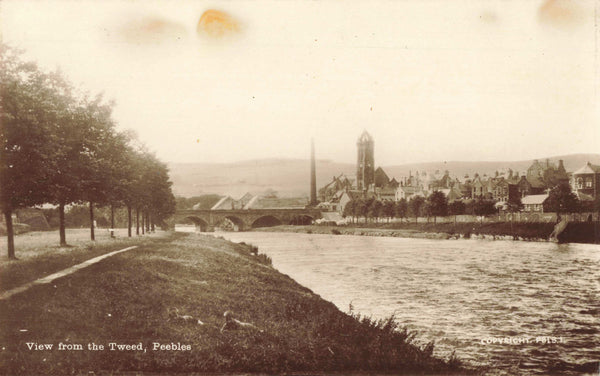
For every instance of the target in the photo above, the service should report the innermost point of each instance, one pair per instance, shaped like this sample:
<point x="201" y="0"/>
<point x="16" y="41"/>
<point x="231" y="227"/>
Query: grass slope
<point x="126" y="299"/>
<point x="37" y="258"/>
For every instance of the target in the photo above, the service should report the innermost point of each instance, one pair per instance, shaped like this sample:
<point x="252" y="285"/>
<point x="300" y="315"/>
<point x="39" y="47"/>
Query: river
<point x="543" y="298"/>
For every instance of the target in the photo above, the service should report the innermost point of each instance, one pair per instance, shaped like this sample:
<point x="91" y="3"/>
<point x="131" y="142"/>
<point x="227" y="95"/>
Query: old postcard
<point x="300" y="187"/>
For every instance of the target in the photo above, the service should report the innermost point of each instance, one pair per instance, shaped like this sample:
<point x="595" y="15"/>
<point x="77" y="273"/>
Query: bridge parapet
<point x="246" y="218"/>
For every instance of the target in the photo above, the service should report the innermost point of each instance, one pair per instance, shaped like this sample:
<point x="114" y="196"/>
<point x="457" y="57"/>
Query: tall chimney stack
<point x="313" y="175"/>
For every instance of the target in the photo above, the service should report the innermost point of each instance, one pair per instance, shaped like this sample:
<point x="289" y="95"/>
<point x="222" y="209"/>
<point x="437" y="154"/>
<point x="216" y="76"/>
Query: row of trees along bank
<point x="60" y="146"/>
<point x="435" y="205"/>
<point x="560" y="200"/>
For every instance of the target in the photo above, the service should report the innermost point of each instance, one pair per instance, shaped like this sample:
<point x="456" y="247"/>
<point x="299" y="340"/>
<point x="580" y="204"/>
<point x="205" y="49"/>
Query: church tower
<point x="365" y="164"/>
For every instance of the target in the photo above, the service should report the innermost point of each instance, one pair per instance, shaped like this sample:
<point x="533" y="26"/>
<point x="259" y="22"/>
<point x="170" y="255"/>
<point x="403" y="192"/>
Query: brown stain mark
<point x="217" y="24"/>
<point x="560" y="13"/>
<point x="151" y="29"/>
<point x="488" y="17"/>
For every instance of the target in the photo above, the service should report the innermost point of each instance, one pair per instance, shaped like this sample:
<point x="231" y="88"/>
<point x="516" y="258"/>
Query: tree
<point x="55" y="148"/>
<point x="514" y="205"/>
<point x="350" y="210"/>
<point x="426" y="210"/>
<point x="415" y="205"/>
<point x="129" y="180"/>
<point x="438" y="204"/>
<point x="483" y="207"/>
<point x="121" y="176"/>
<point x="28" y="107"/>
<point x="389" y="209"/>
<point x="363" y="205"/>
<point x="150" y="191"/>
<point x="70" y="158"/>
<point x="375" y="209"/>
<point x="561" y="200"/>
<point x="161" y="203"/>
<point x="98" y="152"/>
<point x="401" y="208"/>
<point x="138" y="195"/>
<point x="456" y="208"/>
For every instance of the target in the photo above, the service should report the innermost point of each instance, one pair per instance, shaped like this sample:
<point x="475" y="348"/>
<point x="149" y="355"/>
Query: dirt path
<point x="47" y="279"/>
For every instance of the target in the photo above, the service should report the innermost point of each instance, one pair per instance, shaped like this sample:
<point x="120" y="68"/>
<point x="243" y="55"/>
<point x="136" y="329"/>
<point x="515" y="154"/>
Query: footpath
<point x="47" y="279"/>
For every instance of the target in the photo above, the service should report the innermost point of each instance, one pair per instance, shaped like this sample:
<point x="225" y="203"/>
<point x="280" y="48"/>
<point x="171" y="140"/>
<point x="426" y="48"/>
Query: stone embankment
<point x="403" y="233"/>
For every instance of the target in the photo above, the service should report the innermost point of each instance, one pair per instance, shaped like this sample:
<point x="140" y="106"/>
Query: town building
<point x="266" y="200"/>
<point x="479" y="187"/>
<point x="337" y="184"/>
<point x="502" y="186"/>
<point x="585" y="182"/>
<point x="368" y="182"/>
<point x="534" y="203"/>
<point x="365" y="164"/>
<point x="544" y="176"/>
<point x="452" y="194"/>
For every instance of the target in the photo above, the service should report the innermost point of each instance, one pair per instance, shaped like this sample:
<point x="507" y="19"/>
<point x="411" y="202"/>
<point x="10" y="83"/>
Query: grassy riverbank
<point x="127" y="298"/>
<point x="40" y="255"/>
<point x="577" y="232"/>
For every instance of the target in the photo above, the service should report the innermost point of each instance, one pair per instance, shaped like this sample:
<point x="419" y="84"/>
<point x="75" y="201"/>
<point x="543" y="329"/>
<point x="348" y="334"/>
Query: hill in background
<point x="291" y="177"/>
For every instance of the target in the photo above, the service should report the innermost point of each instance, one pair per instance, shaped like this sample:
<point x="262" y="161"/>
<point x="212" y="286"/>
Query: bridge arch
<point x="266" y="221"/>
<point x="201" y="224"/>
<point x="231" y="222"/>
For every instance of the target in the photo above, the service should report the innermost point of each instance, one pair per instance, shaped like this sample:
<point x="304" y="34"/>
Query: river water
<point x="464" y="294"/>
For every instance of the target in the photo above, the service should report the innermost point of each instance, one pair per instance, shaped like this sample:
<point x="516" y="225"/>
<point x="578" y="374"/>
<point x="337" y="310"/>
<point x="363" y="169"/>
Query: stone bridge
<point x="207" y="220"/>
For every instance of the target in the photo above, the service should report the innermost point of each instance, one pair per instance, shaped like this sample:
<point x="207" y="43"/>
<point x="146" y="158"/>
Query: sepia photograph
<point x="300" y="187"/>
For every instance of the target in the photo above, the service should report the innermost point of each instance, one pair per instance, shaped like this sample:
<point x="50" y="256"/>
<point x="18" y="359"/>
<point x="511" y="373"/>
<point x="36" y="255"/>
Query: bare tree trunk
<point x="147" y="222"/>
<point x="137" y="221"/>
<point x="10" y="234"/>
<point x="112" y="221"/>
<point x="143" y="223"/>
<point x="61" y="227"/>
<point x="92" y="235"/>
<point x="112" y="216"/>
<point x="129" y="221"/>
<point x="152" y="226"/>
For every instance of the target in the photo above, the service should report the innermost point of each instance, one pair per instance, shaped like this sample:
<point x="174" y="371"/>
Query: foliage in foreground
<point x="60" y="146"/>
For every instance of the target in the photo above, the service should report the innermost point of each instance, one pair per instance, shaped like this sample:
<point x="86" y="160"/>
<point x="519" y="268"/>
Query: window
<point x="588" y="182"/>
<point x="579" y="183"/>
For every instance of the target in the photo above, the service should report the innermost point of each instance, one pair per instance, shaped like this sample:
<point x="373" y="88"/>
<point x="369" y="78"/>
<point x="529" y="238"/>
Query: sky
<point x="207" y="81"/>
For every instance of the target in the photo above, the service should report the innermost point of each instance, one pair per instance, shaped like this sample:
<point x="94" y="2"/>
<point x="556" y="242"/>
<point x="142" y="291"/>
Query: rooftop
<point x="534" y="199"/>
